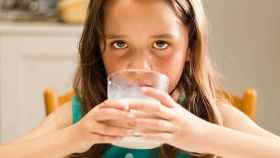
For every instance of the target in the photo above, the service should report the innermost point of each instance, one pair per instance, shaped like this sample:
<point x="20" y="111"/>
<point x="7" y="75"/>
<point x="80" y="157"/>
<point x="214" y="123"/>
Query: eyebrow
<point x="114" y="36"/>
<point x="164" y="35"/>
<point x="118" y="36"/>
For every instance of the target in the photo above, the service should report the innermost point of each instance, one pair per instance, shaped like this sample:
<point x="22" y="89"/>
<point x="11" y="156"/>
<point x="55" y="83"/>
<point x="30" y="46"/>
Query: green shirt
<point x="120" y="152"/>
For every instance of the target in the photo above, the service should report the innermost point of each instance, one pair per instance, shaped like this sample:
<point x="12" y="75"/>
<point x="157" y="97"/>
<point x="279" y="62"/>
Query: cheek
<point x="173" y="68"/>
<point x="111" y="63"/>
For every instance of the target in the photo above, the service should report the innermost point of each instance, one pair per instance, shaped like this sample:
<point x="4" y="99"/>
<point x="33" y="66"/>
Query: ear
<point x="188" y="56"/>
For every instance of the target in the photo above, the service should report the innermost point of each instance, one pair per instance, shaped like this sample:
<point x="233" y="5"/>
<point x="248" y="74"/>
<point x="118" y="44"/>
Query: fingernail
<point x="137" y="134"/>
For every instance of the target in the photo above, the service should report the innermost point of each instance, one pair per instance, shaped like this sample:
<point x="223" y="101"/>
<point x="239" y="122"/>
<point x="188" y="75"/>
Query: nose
<point x="140" y="60"/>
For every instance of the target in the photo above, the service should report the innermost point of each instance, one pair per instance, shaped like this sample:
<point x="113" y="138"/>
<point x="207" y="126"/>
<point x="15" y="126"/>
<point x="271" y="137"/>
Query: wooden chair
<point x="53" y="100"/>
<point x="246" y="103"/>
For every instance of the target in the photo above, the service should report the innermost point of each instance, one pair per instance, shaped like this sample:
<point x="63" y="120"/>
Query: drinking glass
<point x="125" y="86"/>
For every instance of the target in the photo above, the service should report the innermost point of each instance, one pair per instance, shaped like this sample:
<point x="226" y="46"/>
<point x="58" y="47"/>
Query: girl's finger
<point x="163" y="97"/>
<point x="120" y="123"/>
<point x="155" y="125"/>
<point x="115" y="104"/>
<point x="160" y="137"/>
<point x="156" y="109"/>
<point x="104" y="129"/>
<point x="106" y="114"/>
<point x="98" y="139"/>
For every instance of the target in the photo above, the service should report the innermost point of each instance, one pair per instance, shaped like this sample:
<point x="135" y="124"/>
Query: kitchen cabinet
<point x="32" y="57"/>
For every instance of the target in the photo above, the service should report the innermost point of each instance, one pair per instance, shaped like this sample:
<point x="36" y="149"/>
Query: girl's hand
<point x="108" y="122"/>
<point x="172" y="124"/>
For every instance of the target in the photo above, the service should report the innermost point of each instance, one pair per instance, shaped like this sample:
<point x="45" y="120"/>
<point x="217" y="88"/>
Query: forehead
<point x="141" y="15"/>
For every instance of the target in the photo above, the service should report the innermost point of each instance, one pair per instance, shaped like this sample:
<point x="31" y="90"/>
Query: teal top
<point x="120" y="152"/>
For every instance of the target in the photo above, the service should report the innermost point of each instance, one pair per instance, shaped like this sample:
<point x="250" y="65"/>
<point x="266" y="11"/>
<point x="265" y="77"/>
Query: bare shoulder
<point x="235" y="119"/>
<point x="58" y="119"/>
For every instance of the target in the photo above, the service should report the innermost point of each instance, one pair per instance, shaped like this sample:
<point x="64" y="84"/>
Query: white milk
<point x="136" y="142"/>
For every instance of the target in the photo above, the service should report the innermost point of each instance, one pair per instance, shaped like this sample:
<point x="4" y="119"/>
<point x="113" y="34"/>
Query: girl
<point x="167" y="36"/>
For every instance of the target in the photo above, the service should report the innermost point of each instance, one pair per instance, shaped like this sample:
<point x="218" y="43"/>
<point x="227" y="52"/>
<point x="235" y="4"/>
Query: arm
<point x="178" y="127"/>
<point x="50" y="145"/>
<point x="58" y="119"/>
<point x="243" y="137"/>
<point x="93" y="128"/>
<point x="235" y="119"/>
<point x="231" y="143"/>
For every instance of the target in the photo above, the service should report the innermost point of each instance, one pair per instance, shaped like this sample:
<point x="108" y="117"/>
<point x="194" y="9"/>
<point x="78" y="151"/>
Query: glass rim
<point x="161" y="75"/>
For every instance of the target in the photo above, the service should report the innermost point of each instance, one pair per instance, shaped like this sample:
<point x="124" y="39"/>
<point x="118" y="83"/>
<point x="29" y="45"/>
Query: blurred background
<point x="39" y="41"/>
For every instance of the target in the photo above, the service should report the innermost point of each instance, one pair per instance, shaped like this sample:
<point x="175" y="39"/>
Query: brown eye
<point x="160" y="45"/>
<point x="119" y="44"/>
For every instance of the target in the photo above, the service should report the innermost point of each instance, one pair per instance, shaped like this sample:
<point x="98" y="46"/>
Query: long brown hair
<point x="197" y="82"/>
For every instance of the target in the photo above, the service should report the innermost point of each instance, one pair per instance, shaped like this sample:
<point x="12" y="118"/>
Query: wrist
<point x="206" y="137"/>
<point x="209" y="135"/>
<point x="218" y="140"/>
<point x="65" y="141"/>
<point x="70" y="138"/>
<point x="200" y="140"/>
<point x="79" y="140"/>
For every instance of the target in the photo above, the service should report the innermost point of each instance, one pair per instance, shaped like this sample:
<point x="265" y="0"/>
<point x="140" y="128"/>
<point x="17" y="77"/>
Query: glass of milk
<point x="125" y="86"/>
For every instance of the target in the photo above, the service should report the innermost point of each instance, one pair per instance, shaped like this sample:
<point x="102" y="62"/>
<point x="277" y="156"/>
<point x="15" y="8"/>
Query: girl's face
<point x="144" y="34"/>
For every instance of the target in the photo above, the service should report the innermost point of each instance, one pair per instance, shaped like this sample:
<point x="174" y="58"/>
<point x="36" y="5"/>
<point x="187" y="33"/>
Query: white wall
<point x="245" y="45"/>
